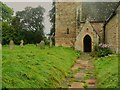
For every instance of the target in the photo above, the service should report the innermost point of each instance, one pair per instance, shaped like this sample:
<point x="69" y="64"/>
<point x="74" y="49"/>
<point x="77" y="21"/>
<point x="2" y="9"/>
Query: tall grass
<point x="107" y="72"/>
<point x="32" y="67"/>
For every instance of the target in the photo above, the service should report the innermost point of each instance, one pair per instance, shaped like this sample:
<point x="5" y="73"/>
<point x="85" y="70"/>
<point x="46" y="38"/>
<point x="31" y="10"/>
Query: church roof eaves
<point x="112" y="14"/>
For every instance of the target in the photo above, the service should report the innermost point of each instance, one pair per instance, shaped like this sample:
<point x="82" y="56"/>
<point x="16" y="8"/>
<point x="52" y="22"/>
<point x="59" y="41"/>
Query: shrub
<point x="78" y="53"/>
<point x="102" y="50"/>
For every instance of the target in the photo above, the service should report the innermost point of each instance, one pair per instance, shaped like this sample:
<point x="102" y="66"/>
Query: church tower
<point x="65" y="27"/>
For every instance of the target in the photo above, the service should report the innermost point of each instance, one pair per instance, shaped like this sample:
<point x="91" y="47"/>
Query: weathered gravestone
<point x="41" y="44"/>
<point x="21" y="43"/>
<point x="11" y="44"/>
<point x="50" y="43"/>
<point x="37" y="44"/>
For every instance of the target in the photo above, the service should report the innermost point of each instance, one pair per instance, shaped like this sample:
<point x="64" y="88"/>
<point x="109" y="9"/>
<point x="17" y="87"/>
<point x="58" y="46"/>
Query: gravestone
<point x="41" y="44"/>
<point x="50" y="43"/>
<point x="21" y="44"/>
<point x="11" y="44"/>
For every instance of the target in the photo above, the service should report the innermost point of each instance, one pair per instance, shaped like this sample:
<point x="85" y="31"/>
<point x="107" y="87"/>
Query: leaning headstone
<point x="11" y="44"/>
<point x="50" y="43"/>
<point x="21" y="43"/>
<point x="41" y="44"/>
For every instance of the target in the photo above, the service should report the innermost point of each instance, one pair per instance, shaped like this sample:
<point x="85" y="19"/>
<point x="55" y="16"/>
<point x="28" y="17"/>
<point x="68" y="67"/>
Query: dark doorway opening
<point x="87" y="43"/>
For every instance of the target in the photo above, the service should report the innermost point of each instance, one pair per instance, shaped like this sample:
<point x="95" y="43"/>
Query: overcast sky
<point x="18" y="6"/>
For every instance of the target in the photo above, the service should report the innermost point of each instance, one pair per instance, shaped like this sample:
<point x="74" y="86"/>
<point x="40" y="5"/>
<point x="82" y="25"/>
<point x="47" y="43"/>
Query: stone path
<point x="83" y="73"/>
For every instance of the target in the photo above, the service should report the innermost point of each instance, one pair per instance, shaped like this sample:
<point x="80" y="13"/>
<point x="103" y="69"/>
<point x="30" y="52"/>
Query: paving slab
<point x="81" y="69"/>
<point x="77" y="85"/>
<point x="90" y="81"/>
<point x="79" y="75"/>
<point x="76" y="66"/>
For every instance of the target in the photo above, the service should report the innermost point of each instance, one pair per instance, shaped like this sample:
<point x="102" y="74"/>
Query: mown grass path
<point x="83" y="73"/>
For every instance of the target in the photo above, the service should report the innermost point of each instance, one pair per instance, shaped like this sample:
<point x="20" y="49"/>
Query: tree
<point x="5" y="20"/>
<point x="7" y="33"/>
<point x="18" y="34"/>
<point x="6" y="14"/>
<point x="31" y="23"/>
<point x="52" y="20"/>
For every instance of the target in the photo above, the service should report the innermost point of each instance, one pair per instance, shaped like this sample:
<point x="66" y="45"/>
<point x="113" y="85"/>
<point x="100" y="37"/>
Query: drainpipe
<point x="103" y="40"/>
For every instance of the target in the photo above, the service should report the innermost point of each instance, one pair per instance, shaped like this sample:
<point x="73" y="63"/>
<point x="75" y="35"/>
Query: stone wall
<point x="65" y="23"/>
<point x="68" y="34"/>
<point x="112" y="33"/>
<point x="98" y="27"/>
<point x="87" y="29"/>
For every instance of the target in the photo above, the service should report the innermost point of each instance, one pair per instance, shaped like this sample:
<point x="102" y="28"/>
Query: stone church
<point x="75" y="29"/>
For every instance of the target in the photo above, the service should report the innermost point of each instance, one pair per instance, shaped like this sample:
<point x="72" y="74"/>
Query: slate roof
<point x="97" y="11"/>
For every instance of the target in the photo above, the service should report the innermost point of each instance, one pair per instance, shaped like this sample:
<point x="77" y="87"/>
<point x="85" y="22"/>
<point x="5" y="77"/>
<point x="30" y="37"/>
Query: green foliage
<point x="17" y="30"/>
<point x="107" y="72"/>
<point x="32" y="67"/>
<point x="101" y="50"/>
<point x="10" y="33"/>
<point x="78" y="53"/>
<point x="52" y="18"/>
<point x="27" y="25"/>
<point x="5" y="21"/>
<point x="6" y="14"/>
<point x="7" y="32"/>
<point x="30" y="23"/>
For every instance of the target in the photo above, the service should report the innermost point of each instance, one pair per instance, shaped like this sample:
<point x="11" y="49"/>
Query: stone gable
<point x="87" y="29"/>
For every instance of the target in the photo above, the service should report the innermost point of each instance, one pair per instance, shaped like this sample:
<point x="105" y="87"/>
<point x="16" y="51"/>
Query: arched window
<point x="68" y="31"/>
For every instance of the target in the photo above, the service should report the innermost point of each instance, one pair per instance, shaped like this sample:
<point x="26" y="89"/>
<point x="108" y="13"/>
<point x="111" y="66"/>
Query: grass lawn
<point x="32" y="67"/>
<point x="107" y="72"/>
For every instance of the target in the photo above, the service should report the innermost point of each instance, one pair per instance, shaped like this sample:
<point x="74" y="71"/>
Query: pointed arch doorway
<point x="87" y="43"/>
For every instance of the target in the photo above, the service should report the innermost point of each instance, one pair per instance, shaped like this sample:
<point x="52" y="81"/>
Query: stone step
<point x="77" y="85"/>
<point x="79" y="75"/>
<point x="91" y="81"/>
<point x="76" y="66"/>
